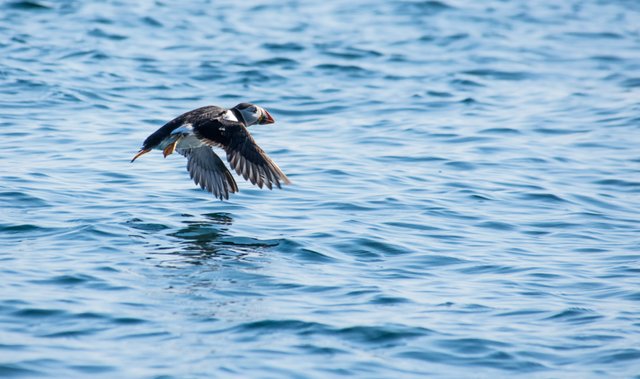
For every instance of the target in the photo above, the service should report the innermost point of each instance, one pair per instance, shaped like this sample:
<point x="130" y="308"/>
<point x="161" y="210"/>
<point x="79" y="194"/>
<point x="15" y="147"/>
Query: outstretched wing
<point x="209" y="172"/>
<point x="243" y="153"/>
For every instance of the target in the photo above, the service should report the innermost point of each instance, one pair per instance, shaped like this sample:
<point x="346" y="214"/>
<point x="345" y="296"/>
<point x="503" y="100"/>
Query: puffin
<point x="194" y="133"/>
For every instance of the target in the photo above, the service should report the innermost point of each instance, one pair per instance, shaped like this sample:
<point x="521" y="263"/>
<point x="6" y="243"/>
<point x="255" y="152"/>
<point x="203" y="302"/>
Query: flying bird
<point x="192" y="135"/>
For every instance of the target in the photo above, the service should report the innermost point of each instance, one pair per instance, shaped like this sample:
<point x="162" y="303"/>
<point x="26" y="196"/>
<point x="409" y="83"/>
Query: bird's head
<point x="252" y="114"/>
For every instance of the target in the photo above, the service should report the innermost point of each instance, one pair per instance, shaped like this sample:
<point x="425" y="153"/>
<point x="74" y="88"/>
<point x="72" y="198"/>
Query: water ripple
<point x="465" y="190"/>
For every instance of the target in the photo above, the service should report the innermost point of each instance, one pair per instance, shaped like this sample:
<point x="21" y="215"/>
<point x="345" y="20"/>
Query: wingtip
<point x="284" y="179"/>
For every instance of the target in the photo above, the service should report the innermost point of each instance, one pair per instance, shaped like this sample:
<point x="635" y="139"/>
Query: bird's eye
<point x="254" y="110"/>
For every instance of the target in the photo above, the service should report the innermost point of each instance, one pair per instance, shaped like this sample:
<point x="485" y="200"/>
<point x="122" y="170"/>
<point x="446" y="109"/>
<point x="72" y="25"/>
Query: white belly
<point x="186" y="138"/>
<point x="189" y="142"/>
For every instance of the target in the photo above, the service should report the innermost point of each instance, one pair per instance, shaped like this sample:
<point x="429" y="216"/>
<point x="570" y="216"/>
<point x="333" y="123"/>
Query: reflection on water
<point x="198" y="238"/>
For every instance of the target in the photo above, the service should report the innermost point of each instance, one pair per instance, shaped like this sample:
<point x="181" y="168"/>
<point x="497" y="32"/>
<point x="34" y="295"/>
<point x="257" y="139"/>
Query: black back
<point x="194" y="117"/>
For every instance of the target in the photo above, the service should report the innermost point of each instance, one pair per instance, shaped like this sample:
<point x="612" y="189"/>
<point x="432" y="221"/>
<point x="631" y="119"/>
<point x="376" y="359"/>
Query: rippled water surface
<point x="465" y="198"/>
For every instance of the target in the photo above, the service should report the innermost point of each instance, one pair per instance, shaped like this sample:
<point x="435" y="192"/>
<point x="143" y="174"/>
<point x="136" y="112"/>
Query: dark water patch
<point x="26" y="229"/>
<point x="299" y="250"/>
<point x="496" y="360"/>
<point x="576" y="316"/>
<point x="590" y="145"/>
<point x="590" y="250"/>
<point x="281" y="326"/>
<point x="558" y="131"/>
<point x="499" y="75"/>
<point x="198" y="231"/>
<point x="439" y="104"/>
<point x="633" y="296"/>
<point x="325" y="351"/>
<point x="554" y="225"/>
<point x="73" y="333"/>
<point x="102" y="20"/>
<point x="443" y="41"/>
<point x="464" y="83"/>
<point x="616" y="121"/>
<point x="389" y="300"/>
<point x="16" y="370"/>
<point x="480" y="197"/>
<point x="151" y="21"/>
<point x="594" y="35"/>
<point x="545" y="275"/>
<point x="39" y="313"/>
<point x="424" y="7"/>
<point x="4" y="346"/>
<point x="21" y="199"/>
<point x="465" y="166"/>
<point x="139" y="224"/>
<point x="410" y="158"/>
<point x="490" y="269"/>
<point x="497" y="225"/>
<point x="631" y="83"/>
<point x="249" y="242"/>
<point x="218" y="218"/>
<point x="440" y="94"/>
<point x="93" y="369"/>
<point x="470" y="139"/>
<point x="149" y="335"/>
<point x="599" y="203"/>
<point x="376" y="247"/>
<point x="499" y="131"/>
<point x="618" y="356"/>
<point x="278" y="61"/>
<point x="91" y="316"/>
<point x="80" y="54"/>
<point x="521" y="312"/>
<point x="469" y="101"/>
<point x="471" y="346"/>
<point x="372" y="336"/>
<point x="67" y="280"/>
<point x="353" y="53"/>
<point x="351" y="70"/>
<point x="607" y="58"/>
<point x="381" y="336"/>
<point x="128" y="320"/>
<point x="288" y="46"/>
<point x="543" y="197"/>
<point x="87" y="232"/>
<point x="15" y="133"/>
<point x="596" y="337"/>
<point x="415" y="226"/>
<point x="97" y="32"/>
<point x="434" y="260"/>
<point x="30" y="5"/>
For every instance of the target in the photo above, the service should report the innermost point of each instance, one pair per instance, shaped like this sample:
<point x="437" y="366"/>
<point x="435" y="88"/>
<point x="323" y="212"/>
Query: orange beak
<point x="141" y="152"/>
<point x="268" y="119"/>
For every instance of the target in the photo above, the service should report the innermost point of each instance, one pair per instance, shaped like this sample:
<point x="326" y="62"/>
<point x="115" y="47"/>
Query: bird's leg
<point x="171" y="148"/>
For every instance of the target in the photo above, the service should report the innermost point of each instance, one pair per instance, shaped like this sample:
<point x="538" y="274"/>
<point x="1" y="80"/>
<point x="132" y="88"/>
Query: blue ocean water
<point x="465" y="198"/>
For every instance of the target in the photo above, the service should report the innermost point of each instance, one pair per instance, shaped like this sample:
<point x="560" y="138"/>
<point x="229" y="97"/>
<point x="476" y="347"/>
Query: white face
<point x="251" y="115"/>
